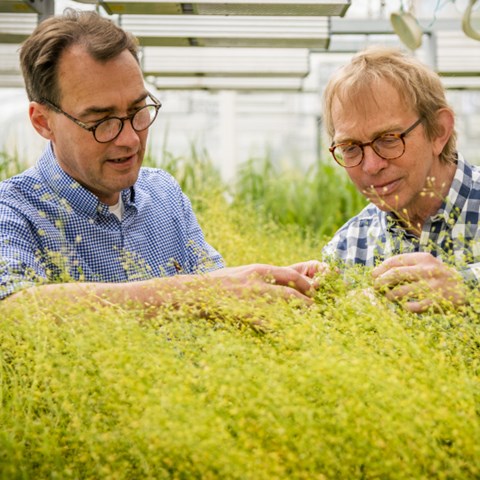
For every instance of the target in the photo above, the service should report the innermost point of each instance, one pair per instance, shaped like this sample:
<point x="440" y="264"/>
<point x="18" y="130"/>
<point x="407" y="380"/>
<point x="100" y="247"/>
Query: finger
<point x="311" y="268"/>
<point x="403" y="292"/>
<point x="399" y="275"/>
<point x="288" y="277"/>
<point x="401" y="260"/>
<point x="292" y="293"/>
<point x="418" y="306"/>
<point x="408" y="297"/>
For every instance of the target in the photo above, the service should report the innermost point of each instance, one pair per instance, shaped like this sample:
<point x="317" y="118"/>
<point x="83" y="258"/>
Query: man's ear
<point x="445" y="122"/>
<point x="41" y="119"/>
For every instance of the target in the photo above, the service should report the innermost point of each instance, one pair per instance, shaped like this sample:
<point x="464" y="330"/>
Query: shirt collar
<point x="452" y="205"/>
<point x="69" y="190"/>
<point x="458" y="193"/>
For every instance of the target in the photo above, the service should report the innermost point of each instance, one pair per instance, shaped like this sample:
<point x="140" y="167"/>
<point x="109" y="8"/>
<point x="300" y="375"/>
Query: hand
<point x="419" y="279"/>
<point x="311" y="268"/>
<point x="295" y="281"/>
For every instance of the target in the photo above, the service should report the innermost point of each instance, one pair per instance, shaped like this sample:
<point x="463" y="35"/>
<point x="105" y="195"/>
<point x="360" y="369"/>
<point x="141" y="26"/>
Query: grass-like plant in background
<point x="314" y="200"/>
<point x="351" y="388"/>
<point x="10" y="164"/>
<point x="195" y="172"/>
<point x="319" y="199"/>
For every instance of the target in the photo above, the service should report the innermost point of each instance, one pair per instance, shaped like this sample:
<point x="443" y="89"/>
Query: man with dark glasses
<point x="393" y="132"/>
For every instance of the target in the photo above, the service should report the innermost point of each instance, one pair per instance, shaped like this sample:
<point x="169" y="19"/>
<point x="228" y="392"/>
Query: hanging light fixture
<point x="467" y="22"/>
<point x="406" y="26"/>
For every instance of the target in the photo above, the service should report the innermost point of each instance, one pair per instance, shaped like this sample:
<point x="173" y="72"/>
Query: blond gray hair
<point x="417" y="84"/>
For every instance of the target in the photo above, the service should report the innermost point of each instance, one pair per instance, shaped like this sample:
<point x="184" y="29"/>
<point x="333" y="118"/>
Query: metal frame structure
<point x="225" y="7"/>
<point x="215" y="31"/>
<point x="43" y="8"/>
<point x="225" y="62"/>
<point x="257" y="84"/>
<point x="16" y="27"/>
<point x="269" y="28"/>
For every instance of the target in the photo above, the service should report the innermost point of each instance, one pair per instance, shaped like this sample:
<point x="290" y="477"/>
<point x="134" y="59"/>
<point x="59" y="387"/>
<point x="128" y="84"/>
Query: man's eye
<point x="349" y="149"/>
<point x="387" y="140"/>
<point x="96" y="121"/>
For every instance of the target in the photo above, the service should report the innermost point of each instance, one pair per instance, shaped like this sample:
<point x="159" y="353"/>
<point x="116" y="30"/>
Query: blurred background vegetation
<point x="316" y="200"/>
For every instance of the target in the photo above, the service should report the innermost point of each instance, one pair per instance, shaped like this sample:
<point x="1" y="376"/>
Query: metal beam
<point x="250" y="84"/>
<point x="225" y="7"/>
<point x="215" y="31"/>
<point x="225" y="62"/>
<point x="367" y="26"/>
<point x="16" y="27"/>
<point x="44" y="8"/>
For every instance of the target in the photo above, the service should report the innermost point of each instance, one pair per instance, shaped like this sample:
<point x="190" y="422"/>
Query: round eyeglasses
<point x="109" y="128"/>
<point x="389" y="146"/>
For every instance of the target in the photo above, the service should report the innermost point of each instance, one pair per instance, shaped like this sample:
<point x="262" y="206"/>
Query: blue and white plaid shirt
<point x="53" y="229"/>
<point x="452" y="234"/>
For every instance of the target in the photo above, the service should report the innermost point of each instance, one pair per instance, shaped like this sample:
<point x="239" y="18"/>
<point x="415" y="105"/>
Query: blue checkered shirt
<point x="53" y="229"/>
<point x="453" y="233"/>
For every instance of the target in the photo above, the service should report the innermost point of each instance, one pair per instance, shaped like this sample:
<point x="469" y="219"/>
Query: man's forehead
<point x="100" y="83"/>
<point x="368" y="99"/>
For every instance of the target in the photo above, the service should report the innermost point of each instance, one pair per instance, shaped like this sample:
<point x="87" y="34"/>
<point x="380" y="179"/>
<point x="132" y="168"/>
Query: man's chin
<point x="385" y="204"/>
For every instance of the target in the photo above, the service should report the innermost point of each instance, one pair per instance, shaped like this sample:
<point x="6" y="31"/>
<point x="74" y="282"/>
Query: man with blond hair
<point x="393" y="131"/>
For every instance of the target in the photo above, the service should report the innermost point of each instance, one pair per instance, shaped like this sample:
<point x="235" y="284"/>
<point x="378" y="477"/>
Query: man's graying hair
<point x="41" y="52"/>
<point x="418" y="86"/>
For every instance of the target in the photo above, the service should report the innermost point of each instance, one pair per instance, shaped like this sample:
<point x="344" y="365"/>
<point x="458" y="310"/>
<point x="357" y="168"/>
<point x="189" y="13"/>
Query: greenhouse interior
<point x="287" y="364"/>
<point x="241" y="80"/>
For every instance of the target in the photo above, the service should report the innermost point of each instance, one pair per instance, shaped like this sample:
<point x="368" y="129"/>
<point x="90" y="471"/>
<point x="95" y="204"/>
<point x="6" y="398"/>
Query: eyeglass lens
<point x="111" y="127"/>
<point x="387" y="146"/>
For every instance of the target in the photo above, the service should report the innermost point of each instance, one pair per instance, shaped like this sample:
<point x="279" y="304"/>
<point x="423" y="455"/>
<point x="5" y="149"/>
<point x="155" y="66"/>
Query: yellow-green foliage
<point x="346" y="389"/>
<point x="243" y="236"/>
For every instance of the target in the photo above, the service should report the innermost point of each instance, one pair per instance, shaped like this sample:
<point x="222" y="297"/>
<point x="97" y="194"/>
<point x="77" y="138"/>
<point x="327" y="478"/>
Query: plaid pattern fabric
<point x="452" y="234"/>
<point x="53" y="229"/>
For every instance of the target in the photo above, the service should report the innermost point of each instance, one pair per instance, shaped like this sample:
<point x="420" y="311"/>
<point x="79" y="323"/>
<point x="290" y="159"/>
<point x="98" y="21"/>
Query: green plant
<point x="10" y="165"/>
<point x="319" y="200"/>
<point x="195" y="173"/>
<point x="255" y="388"/>
<point x="343" y="390"/>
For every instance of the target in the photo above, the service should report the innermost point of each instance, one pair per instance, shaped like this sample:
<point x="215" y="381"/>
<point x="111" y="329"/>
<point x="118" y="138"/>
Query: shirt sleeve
<point x="471" y="274"/>
<point x="202" y="257"/>
<point x="20" y="266"/>
<point x="329" y="250"/>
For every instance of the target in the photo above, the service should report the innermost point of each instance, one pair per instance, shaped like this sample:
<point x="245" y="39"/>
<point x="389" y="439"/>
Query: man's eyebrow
<point x="378" y="133"/>
<point x="110" y="109"/>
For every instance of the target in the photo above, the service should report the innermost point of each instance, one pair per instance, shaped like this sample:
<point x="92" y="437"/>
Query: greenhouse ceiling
<point x="269" y="45"/>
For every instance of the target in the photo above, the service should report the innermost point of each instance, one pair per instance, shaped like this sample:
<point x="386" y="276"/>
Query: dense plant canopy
<point x="353" y="387"/>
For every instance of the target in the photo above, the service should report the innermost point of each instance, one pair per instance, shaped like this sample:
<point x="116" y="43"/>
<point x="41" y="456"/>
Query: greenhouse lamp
<point x="467" y="22"/>
<point x="407" y="28"/>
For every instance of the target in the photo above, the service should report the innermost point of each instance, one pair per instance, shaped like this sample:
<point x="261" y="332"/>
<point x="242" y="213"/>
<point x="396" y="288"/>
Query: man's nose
<point x="128" y="135"/>
<point x="372" y="163"/>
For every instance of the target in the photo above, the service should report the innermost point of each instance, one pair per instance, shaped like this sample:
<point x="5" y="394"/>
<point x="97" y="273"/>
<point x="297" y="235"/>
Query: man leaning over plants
<point x="393" y="131"/>
<point x="88" y="219"/>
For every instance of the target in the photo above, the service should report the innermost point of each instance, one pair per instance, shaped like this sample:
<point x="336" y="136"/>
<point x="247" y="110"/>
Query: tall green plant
<point x="195" y="172"/>
<point x="319" y="199"/>
<point x="10" y="165"/>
